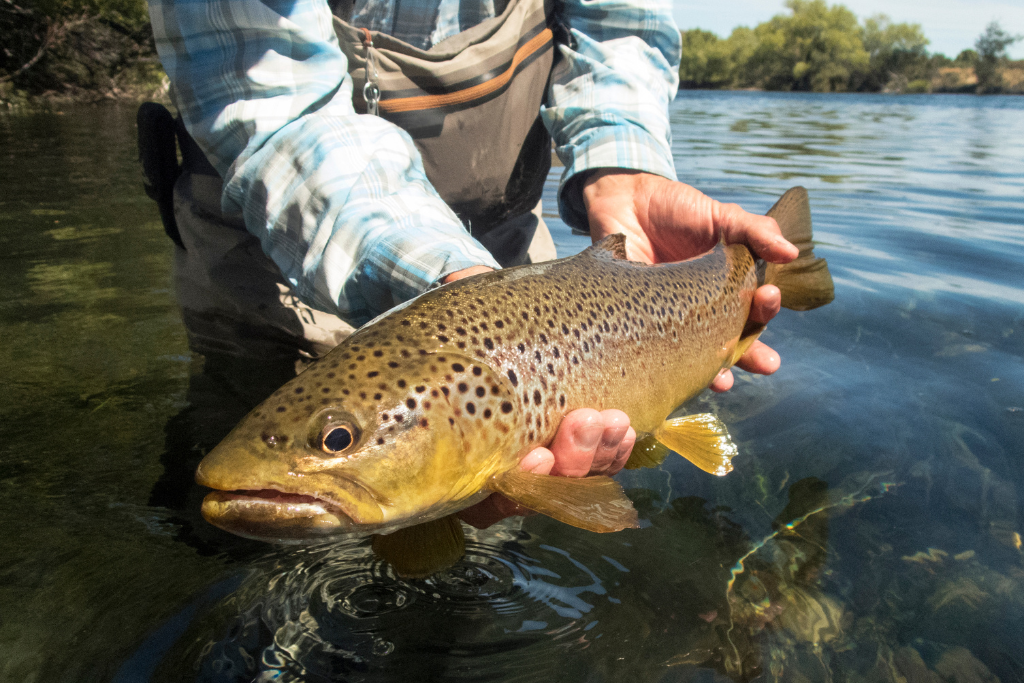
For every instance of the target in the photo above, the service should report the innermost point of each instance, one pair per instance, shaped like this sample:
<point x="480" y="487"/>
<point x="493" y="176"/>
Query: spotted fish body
<point x="442" y="398"/>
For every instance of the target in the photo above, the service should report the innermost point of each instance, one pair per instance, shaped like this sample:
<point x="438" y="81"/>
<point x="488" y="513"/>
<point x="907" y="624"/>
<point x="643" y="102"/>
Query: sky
<point x="950" y="25"/>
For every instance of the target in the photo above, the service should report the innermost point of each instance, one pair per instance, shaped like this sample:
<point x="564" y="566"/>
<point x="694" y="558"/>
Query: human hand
<point x="587" y="442"/>
<point x="666" y="221"/>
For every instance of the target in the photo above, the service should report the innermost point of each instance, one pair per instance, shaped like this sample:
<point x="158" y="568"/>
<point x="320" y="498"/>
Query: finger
<point x="576" y="442"/>
<point x="766" y="304"/>
<point x="760" y="233"/>
<point x="723" y="382"/>
<point x="625" y="449"/>
<point x="490" y="510"/>
<point x="616" y="424"/>
<point x="760" y="358"/>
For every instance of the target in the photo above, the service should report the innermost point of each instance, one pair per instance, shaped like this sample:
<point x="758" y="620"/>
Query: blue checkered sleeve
<point x="609" y="93"/>
<point x="340" y="201"/>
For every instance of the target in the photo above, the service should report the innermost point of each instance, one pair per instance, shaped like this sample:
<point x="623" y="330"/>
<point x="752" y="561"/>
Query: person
<point x="336" y="166"/>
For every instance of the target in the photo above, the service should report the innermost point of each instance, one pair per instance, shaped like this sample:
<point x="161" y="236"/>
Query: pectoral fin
<point x="591" y="503"/>
<point x="702" y="439"/>
<point x="750" y="334"/>
<point x="424" y="549"/>
<point x="647" y="452"/>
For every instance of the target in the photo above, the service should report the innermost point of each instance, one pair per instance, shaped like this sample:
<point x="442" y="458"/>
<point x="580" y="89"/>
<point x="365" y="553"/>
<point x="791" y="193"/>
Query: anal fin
<point x="702" y="439"/>
<point x="423" y="549"/>
<point x="592" y="503"/>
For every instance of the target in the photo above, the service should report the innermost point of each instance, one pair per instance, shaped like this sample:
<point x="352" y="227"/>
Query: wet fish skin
<point x="446" y="394"/>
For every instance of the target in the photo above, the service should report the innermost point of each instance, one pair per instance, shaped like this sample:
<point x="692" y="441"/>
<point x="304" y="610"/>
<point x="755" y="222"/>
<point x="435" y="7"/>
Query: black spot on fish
<point x="487" y="414"/>
<point x="470" y="408"/>
<point x="458" y="367"/>
<point x="444" y="390"/>
<point x="477" y="371"/>
<point x="506" y="407"/>
<point x="522" y="348"/>
<point x="378" y="353"/>
<point x="411" y="403"/>
<point x="488" y="343"/>
<point x="442" y="338"/>
<point x="481" y="392"/>
<point x="372" y="373"/>
<point x="299" y="390"/>
<point x="420" y="389"/>
<point x="281" y="409"/>
<point x="512" y="378"/>
<point x="401" y="384"/>
<point x="463" y="387"/>
<point x="536" y="396"/>
<point x="424" y="423"/>
<point x="377" y="397"/>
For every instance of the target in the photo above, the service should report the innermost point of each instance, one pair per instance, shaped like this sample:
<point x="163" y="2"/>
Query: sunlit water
<point x="870" y="532"/>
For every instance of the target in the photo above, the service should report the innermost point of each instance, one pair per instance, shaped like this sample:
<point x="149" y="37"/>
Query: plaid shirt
<point x="340" y="201"/>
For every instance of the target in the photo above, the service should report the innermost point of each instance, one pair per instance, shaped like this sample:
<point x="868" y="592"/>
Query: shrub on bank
<point x="823" y="48"/>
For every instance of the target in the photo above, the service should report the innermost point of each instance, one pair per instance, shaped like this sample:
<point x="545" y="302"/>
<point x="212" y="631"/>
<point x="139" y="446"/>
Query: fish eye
<point x="335" y="438"/>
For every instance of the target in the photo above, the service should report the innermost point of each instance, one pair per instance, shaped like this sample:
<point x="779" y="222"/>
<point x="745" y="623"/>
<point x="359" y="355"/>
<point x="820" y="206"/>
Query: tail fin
<point x="805" y="283"/>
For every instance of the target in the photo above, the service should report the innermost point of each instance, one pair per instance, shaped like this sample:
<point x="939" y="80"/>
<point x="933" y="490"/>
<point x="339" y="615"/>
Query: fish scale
<point x="430" y="407"/>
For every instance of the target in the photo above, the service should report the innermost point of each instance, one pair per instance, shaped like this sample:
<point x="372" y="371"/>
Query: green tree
<point x="898" y="54"/>
<point x="817" y="48"/>
<point x="706" y="61"/>
<point x="711" y="62"/>
<point x="991" y="46"/>
<point x="966" y="59"/>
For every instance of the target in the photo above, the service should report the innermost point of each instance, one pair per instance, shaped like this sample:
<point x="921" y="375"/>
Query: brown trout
<point x="429" y="408"/>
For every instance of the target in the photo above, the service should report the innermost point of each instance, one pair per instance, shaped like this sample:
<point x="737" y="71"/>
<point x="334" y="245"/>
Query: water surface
<point x="870" y="531"/>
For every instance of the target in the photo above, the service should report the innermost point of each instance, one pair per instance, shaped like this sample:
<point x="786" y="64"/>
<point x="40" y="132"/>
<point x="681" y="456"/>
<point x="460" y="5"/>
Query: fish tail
<point x="805" y="283"/>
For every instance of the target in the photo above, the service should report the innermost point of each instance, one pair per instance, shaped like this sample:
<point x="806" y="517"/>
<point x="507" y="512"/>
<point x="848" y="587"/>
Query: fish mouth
<point x="276" y="516"/>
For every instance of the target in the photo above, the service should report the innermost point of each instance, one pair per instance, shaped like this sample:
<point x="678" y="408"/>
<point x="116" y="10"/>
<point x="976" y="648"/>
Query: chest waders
<point x="471" y="104"/>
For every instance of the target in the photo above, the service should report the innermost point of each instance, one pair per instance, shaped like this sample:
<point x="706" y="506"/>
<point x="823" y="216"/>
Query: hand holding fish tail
<point x="587" y="442"/>
<point x="666" y="221"/>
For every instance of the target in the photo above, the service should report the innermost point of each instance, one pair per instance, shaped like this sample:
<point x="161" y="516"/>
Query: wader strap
<point x="158" y="155"/>
<point x="160" y="136"/>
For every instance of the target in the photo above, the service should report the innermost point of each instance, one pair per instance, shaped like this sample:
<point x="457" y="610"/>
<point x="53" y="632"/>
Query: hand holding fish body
<point x="430" y="408"/>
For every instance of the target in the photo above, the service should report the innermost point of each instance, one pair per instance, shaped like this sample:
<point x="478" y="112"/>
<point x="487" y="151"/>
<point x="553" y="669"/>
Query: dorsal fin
<point x="611" y="247"/>
<point x="805" y="283"/>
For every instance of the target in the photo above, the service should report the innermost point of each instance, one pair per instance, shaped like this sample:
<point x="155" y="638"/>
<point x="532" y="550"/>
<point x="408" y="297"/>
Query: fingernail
<point x="587" y="436"/>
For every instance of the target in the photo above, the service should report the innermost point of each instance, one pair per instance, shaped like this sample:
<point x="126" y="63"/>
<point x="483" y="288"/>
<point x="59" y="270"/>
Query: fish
<point x="430" y="407"/>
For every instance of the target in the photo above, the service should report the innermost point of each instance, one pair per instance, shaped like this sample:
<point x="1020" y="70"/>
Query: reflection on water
<point x="870" y="532"/>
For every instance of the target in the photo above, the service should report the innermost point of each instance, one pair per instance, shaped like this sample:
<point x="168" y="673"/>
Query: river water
<point x="870" y="532"/>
